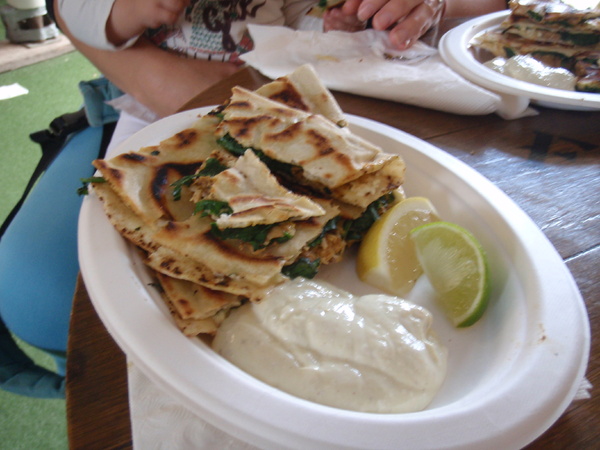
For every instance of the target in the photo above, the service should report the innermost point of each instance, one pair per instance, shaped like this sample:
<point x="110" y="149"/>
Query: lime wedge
<point x="456" y="266"/>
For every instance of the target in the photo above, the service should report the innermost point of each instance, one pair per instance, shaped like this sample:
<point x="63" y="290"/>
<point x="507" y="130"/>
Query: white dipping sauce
<point x="526" y="68"/>
<point x="374" y="353"/>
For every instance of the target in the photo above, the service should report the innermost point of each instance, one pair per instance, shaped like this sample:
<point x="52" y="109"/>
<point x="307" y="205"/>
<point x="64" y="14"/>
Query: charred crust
<point x="290" y="97"/>
<point x="137" y="157"/>
<point x="116" y="174"/>
<point x="186" y="137"/>
<point x="288" y="134"/>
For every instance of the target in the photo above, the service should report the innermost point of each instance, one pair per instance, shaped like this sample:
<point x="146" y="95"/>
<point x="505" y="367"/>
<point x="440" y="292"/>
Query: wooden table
<point x="548" y="164"/>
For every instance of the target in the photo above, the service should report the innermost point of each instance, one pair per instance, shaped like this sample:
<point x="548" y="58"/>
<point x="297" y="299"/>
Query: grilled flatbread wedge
<point x="303" y="90"/>
<point x="324" y="153"/>
<point x="142" y="178"/>
<point x="192" y="301"/>
<point x="256" y="197"/>
<point x="219" y="225"/>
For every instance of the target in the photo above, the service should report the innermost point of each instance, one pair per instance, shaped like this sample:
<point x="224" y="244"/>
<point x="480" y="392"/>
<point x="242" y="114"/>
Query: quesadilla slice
<point x="143" y="178"/>
<point x="166" y="260"/>
<point x="551" y="12"/>
<point x="255" y="197"/>
<point x="195" y="327"/>
<point x="325" y="153"/>
<point x="303" y="90"/>
<point x="193" y="301"/>
<point x="508" y="45"/>
<point x="587" y="69"/>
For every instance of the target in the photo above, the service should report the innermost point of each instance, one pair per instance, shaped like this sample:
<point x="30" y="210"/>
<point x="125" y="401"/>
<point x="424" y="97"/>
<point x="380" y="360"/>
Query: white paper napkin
<point x="158" y="421"/>
<point x="365" y="63"/>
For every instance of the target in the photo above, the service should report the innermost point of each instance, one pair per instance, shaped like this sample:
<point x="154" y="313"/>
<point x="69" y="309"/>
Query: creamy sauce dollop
<point x="526" y="68"/>
<point x="374" y="353"/>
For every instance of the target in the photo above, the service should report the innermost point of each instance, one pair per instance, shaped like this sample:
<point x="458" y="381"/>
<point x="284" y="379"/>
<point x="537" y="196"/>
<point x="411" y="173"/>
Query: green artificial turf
<point x="31" y="423"/>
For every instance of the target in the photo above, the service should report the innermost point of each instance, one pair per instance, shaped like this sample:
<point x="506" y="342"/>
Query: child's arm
<point x="337" y="19"/>
<point x="129" y="18"/>
<point x="110" y="24"/>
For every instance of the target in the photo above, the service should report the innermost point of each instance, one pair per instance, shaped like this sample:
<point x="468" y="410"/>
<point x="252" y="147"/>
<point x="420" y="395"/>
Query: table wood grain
<point x="548" y="164"/>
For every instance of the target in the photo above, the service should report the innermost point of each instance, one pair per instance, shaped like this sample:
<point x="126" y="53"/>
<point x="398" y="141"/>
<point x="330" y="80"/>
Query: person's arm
<point x="113" y="24"/>
<point x="160" y="80"/>
<point x="130" y="18"/>
<point x="86" y="20"/>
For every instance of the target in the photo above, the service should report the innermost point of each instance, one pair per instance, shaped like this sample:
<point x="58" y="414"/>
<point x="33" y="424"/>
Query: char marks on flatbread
<point x="193" y="301"/>
<point x="164" y="259"/>
<point x="303" y="90"/>
<point x="328" y="154"/>
<point x="256" y="197"/>
<point x="218" y="226"/>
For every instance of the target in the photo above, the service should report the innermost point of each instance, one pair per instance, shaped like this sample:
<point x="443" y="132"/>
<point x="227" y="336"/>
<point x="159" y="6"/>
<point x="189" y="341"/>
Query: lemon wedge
<point x="456" y="265"/>
<point x="386" y="257"/>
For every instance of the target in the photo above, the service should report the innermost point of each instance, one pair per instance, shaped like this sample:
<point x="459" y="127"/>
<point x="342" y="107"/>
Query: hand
<point x="337" y="19"/>
<point x="154" y="13"/>
<point x="407" y="20"/>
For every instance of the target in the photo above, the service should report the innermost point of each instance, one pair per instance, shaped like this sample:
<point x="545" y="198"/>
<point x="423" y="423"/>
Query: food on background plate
<point x="527" y="68"/>
<point x="554" y="33"/>
<point x="374" y="353"/>
<point x="227" y="206"/>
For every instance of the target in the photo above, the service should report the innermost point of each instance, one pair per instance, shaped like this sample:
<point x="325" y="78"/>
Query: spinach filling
<point x="229" y="143"/>
<point x="255" y="235"/>
<point x="581" y="39"/>
<point x="354" y="230"/>
<point x="83" y="190"/>
<point x="212" y="208"/>
<point x="302" y="267"/>
<point x="535" y="16"/>
<point x="212" y="167"/>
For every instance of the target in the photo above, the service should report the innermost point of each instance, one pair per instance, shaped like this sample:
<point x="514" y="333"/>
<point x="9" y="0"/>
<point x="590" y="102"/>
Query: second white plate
<point x="455" y="50"/>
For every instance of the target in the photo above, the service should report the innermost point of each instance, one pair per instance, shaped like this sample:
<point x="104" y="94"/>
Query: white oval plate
<point x="510" y="376"/>
<point x="455" y="50"/>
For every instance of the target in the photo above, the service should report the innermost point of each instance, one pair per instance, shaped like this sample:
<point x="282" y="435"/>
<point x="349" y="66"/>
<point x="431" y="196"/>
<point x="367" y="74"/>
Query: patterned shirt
<point x="208" y="29"/>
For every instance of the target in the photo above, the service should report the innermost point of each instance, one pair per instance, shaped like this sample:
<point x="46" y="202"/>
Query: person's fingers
<point x="176" y="6"/>
<point x="336" y="19"/>
<point x="415" y="24"/>
<point x="351" y="6"/>
<point x="385" y="12"/>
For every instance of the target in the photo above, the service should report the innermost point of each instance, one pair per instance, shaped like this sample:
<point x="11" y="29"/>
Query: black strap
<point x="52" y="141"/>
